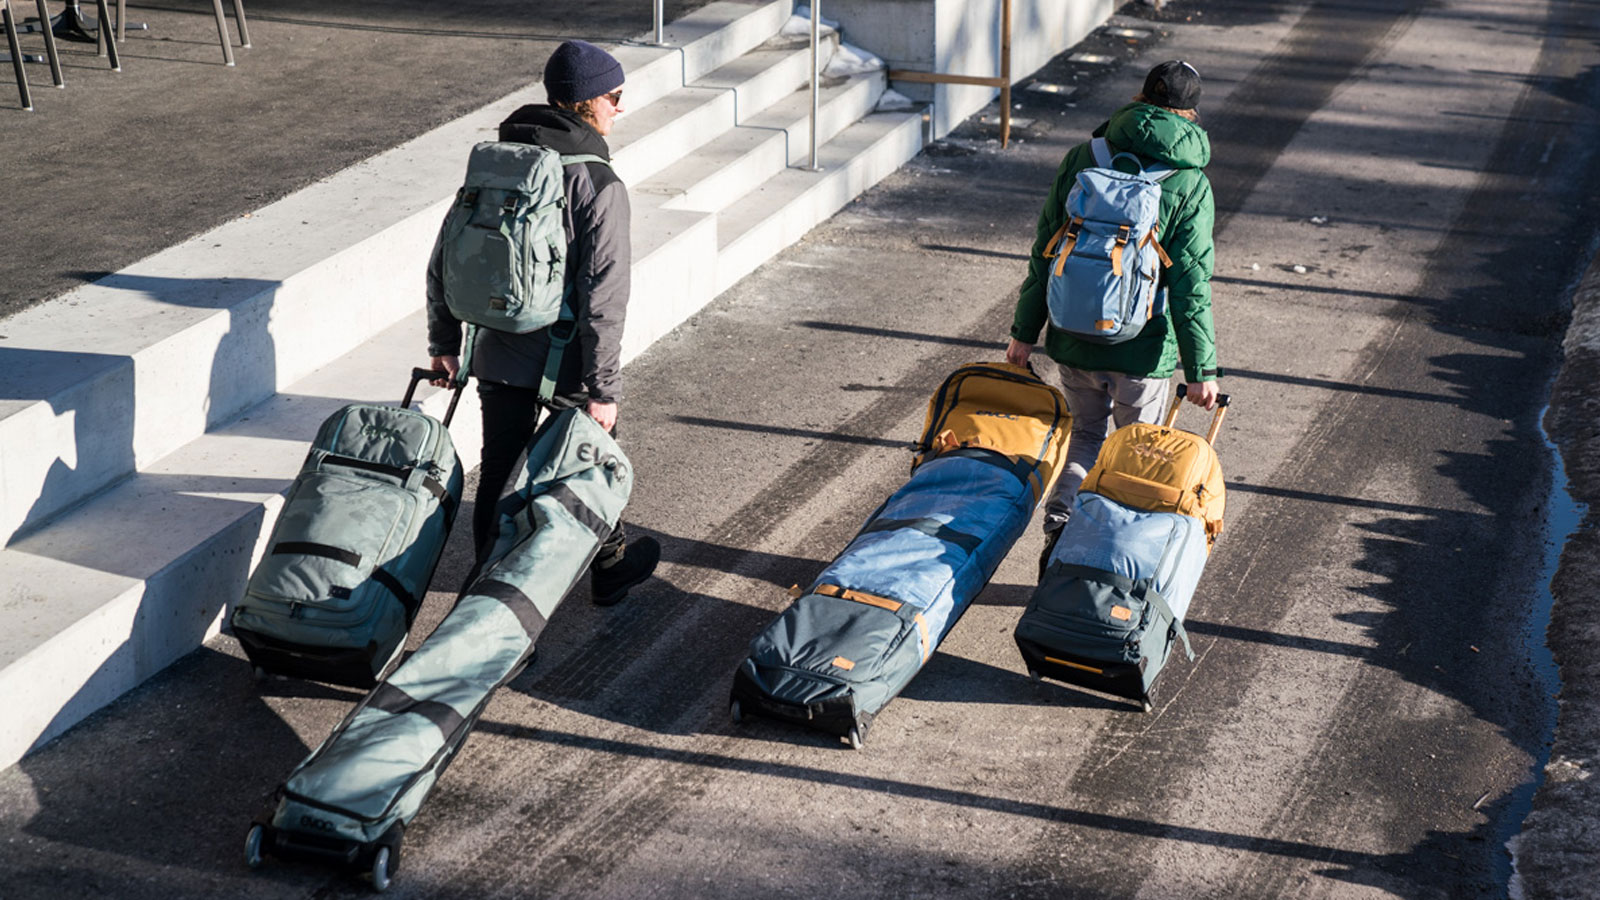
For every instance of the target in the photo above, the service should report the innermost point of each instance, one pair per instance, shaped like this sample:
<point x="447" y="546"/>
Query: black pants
<point x="510" y="425"/>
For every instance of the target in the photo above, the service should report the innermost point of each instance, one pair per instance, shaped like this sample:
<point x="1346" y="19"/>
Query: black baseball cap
<point x="1174" y="84"/>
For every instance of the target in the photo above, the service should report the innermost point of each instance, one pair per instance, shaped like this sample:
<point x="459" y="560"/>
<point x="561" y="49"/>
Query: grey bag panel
<point x="823" y="648"/>
<point x="367" y="521"/>
<point x="379" y="765"/>
<point x="1117" y="585"/>
<point x="1071" y="611"/>
<point x="573" y="486"/>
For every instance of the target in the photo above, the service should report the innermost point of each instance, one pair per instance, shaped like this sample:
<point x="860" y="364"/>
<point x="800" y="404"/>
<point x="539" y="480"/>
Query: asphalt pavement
<point x="1369" y="715"/>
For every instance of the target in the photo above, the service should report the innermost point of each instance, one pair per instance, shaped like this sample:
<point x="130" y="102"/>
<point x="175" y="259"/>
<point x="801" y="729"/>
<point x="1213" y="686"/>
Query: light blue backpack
<point x="1103" y="285"/>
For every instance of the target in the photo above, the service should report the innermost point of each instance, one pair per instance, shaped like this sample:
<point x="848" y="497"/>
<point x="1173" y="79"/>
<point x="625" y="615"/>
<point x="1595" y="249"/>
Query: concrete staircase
<point x="163" y="410"/>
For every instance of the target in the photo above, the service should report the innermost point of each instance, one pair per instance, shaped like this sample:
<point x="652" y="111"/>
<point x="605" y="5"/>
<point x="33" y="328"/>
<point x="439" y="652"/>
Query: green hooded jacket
<point x="1155" y="135"/>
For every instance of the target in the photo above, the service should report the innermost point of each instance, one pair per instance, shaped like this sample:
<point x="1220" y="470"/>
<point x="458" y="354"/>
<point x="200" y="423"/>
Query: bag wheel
<point x="1145" y="705"/>
<point x="854" y="738"/>
<point x="380" y="870"/>
<point x="735" y="712"/>
<point x="252" y="846"/>
<point x="1033" y="675"/>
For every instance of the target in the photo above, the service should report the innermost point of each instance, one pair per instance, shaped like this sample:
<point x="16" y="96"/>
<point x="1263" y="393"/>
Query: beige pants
<point x="1097" y="401"/>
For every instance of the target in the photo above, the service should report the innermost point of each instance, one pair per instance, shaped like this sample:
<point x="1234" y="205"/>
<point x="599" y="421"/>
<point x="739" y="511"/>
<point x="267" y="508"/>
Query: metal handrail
<point x="816" y="64"/>
<point x="816" y="28"/>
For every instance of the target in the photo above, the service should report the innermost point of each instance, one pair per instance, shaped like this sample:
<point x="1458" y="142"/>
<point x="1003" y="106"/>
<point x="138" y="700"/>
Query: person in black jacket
<point x="584" y="87"/>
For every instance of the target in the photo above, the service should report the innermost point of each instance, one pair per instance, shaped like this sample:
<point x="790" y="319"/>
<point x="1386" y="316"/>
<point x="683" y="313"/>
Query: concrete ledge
<point x="104" y="598"/>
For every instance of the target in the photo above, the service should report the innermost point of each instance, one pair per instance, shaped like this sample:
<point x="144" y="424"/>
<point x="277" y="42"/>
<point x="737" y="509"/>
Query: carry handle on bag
<point x="1216" y="419"/>
<point x="420" y="374"/>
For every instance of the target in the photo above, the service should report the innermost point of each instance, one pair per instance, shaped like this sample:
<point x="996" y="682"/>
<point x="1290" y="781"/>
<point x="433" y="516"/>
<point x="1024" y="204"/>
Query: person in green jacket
<point x="1122" y="383"/>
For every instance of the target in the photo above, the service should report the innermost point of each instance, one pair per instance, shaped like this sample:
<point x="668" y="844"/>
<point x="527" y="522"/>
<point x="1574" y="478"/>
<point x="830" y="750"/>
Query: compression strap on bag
<point x="930" y="527"/>
<point x="430" y="483"/>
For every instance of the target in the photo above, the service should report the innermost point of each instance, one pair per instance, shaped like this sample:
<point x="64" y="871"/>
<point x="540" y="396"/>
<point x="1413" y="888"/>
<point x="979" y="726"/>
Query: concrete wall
<point x="962" y="37"/>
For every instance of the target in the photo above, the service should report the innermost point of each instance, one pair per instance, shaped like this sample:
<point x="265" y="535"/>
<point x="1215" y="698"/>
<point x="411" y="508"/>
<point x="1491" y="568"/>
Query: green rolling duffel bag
<point x="353" y="550"/>
<point x="350" y="800"/>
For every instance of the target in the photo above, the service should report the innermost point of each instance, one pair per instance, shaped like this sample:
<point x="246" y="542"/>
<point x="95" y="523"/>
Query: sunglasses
<point x="615" y="97"/>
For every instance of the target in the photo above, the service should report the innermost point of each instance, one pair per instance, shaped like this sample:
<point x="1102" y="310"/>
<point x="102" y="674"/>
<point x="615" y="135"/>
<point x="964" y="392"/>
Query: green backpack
<point x="502" y="240"/>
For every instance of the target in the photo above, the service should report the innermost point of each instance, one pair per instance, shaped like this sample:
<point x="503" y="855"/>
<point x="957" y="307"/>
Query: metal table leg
<point x="50" y="48"/>
<point x="105" y="43"/>
<point x="222" y="32"/>
<point x="10" y="25"/>
<point x="238" y="15"/>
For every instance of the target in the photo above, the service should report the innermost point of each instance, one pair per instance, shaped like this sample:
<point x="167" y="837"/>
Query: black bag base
<point x="837" y="717"/>
<point x="1125" y="680"/>
<point x="351" y="667"/>
<point x="378" y="860"/>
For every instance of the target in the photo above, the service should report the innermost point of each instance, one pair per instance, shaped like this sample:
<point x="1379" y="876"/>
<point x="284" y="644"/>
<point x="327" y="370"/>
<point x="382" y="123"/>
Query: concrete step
<point x="188" y="339"/>
<point x="767" y="142"/>
<point x="99" y="600"/>
<point x="757" y="226"/>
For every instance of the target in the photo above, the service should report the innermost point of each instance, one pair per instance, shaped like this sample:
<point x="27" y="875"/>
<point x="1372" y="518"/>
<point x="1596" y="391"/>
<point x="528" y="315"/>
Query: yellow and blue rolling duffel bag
<point x="1120" y="577"/>
<point x="995" y="438"/>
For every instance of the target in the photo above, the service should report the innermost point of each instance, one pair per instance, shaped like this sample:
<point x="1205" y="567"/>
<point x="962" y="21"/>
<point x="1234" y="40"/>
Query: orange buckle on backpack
<point x="1123" y="233"/>
<point x="1068" y="230"/>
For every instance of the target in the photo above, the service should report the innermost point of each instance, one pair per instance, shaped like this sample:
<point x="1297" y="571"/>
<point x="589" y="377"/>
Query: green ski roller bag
<point x="350" y="800"/>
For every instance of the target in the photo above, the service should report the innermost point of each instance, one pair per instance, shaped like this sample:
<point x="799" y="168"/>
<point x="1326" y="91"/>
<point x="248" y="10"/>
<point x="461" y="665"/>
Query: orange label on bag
<point x="1121" y="613"/>
<point x="845" y="664"/>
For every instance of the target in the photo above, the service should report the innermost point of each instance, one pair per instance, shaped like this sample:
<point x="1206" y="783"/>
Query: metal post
<point x="816" y="57"/>
<point x="222" y="32"/>
<point x="105" y="39"/>
<point x="50" y="46"/>
<point x="16" y="54"/>
<point x="238" y="16"/>
<point x="661" y="23"/>
<point x="1005" y="73"/>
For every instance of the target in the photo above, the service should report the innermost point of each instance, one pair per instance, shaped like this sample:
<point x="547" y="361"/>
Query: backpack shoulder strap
<point x="1102" y="152"/>
<point x="584" y="158"/>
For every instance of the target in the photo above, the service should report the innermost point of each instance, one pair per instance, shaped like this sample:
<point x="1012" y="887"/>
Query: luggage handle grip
<point x="1216" y="419"/>
<point x="419" y="375"/>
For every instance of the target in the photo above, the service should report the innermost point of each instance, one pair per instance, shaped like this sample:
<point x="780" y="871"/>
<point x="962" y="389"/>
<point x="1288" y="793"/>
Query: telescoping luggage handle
<point x="1216" y="420"/>
<point x="420" y="374"/>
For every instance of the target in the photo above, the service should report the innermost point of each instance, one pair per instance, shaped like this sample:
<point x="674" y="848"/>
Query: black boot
<point x="610" y="577"/>
<point x="1050" y="538"/>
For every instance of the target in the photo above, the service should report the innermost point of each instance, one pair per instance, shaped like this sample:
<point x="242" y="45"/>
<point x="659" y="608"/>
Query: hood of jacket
<point x="550" y="126"/>
<point x="1158" y="136"/>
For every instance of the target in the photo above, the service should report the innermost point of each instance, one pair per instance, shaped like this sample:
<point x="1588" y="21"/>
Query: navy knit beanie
<point x="579" y="71"/>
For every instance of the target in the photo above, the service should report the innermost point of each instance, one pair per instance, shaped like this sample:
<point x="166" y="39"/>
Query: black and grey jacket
<point x="599" y="264"/>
